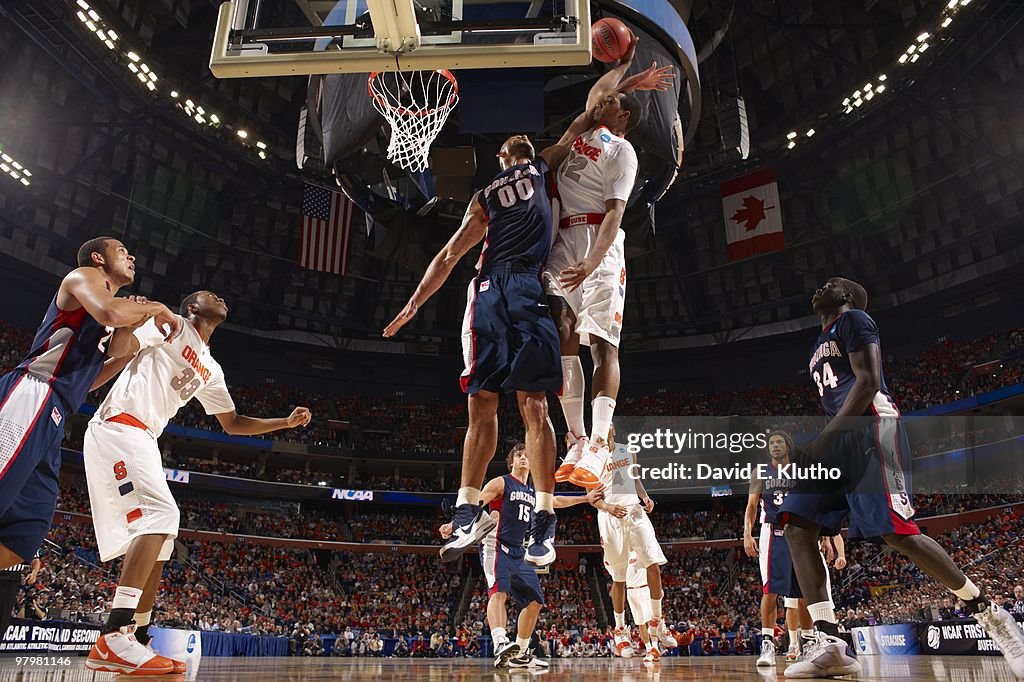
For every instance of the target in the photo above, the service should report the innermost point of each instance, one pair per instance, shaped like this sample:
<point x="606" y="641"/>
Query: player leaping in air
<point x="586" y="274"/>
<point x="866" y="441"/>
<point x="509" y="341"/>
<point x="511" y="499"/>
<point x="133" y="511"/>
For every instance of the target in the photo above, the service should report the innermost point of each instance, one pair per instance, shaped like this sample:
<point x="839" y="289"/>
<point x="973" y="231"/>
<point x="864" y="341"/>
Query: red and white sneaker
<point x="657" y="628"/>
<point x="576" y="448"/>
<point x="587" y="473"/>
<point x="623" y="647"/>
<point x="120" y="652"/>
<point x="179" y="666"/>
<point x="652" y="655"/>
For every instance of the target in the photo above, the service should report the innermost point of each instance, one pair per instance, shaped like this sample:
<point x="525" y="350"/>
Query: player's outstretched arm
<point x="750" y="516"/>
<point x="651" y="78"/>
<point x="466" y="237"/>
<point x="494" y="489"/>
<point x="556" y="153"/>
<point x="565" y="501"/>
<point x="607" y="83"/>
<point x="235" y="424"/>
<point x="89" y="288"/>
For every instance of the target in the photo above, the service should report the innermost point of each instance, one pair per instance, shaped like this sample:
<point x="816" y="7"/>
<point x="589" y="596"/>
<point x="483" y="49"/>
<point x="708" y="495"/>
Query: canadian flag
<point x="753" y="215"/>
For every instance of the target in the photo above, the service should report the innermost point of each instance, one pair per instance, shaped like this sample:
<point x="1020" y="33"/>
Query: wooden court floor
<point x="904" y="669"/>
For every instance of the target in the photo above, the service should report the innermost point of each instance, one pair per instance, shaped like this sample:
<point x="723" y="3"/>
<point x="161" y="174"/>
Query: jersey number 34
<point x="826" y="378"/>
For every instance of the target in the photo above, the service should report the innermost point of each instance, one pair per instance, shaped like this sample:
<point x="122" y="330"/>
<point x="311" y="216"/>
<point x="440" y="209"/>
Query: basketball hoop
<point x="416" y="107"/>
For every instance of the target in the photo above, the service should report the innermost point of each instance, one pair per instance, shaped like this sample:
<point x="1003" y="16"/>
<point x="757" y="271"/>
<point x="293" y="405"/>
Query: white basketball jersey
<point x="619" y="486"/>
<point x="635" y="576"/>
<point x="165" y="376"/>
<point x="600" y="166"/>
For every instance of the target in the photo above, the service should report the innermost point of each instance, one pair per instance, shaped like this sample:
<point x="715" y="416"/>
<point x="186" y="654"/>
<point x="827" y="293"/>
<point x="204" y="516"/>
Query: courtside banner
<point x="958" y="638"/>
<point x="48" y="636"/>
<point x="886" y="640"/>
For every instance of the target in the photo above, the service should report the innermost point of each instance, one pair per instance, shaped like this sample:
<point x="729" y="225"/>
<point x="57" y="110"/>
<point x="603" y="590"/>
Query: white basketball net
<point x="416" y="106"/>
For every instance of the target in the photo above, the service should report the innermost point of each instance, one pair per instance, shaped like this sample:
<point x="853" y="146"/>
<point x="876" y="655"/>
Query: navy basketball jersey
<point x="515" y="509"/>
<point x="830" y="367"/>
<point x="773" y="493"/>
<point x="518" y="209"/>
<point x="66" y="353"/>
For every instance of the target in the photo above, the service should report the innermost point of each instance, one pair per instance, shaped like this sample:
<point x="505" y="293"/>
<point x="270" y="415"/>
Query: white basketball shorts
<point x="599" y="302"/>
<point x="128" y="491"/>
<point x="618" y="536"/>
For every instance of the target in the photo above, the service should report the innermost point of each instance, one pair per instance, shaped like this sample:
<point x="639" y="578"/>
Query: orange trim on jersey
<point x="128" y="420"/>
<point x="581" y="219"/>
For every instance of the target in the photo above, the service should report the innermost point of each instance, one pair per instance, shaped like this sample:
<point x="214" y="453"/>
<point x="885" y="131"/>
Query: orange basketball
<point x="610" y="38"/>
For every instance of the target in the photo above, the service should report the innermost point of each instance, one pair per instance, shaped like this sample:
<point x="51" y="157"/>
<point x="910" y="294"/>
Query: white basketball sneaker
<point x="623" y="647"/>
<point x="658" y="629"/>
<point x="824" y="656"/>
<point x="767" y="656"/>
<point x="575" y="449"/>
<point x="1005" y="632"/>
<point x="587" y="473"/>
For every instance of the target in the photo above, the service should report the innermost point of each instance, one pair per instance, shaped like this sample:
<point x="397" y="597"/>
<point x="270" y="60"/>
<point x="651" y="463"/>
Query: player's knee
<point x="603" y="352"/>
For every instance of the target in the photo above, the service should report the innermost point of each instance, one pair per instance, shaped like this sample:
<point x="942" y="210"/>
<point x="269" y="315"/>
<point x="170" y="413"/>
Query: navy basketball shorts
<point x="509" y="341"/>
<point x="776" y="563"/>
<point x="874" y="488"/>
<point x="507" y="571"/>
<point x="31" y="429"/>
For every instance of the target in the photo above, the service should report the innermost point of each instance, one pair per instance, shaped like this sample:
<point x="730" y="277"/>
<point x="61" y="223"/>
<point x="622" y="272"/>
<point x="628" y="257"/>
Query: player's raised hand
<point x="750" y="545"/>
<point x="168" y="323"/>
<point x="627" y="56"/>
<point x="572" y="277"/>
<point x="654" y="78"/>
<point x="406" y="314"/>
<point x="445" y="530"/>
<point x="300" y="416"/>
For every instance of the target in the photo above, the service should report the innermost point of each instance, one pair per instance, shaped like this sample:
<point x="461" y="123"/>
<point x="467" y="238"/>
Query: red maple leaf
<point x="752" y="213"/>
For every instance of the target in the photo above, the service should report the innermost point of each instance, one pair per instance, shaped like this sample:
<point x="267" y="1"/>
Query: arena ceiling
<point x="206" y="210"/>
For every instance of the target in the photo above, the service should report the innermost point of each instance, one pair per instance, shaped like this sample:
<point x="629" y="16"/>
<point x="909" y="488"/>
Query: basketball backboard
<point x="304" y="37"/>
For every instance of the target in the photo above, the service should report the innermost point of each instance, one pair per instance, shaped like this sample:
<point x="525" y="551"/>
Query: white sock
<point x="545" y="502"/>
<point x="499" y="635"/>
<point x="143" y="618"/>
<point x="767" y="632"/>
<point x="794" y="638"/>
<point x="573" y="386"/>
<point x="656" y="609"/>
<point x="620" y="619"/>
<point x="524" y="644"/>
<point x="968" y="592"/>
<point x="126" y="598"/>
<point x="822" y="611"/>
<point x="604" y="410"/>
<point x="468" y="495"/>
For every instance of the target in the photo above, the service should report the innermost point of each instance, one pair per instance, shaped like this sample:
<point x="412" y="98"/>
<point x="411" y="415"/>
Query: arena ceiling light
<point x="12" y="168"/>
<point x="906" y="60"/>
<point x="148" y="78"/>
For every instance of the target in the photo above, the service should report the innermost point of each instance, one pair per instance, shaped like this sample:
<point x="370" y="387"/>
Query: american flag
<point x="326" y="230"/>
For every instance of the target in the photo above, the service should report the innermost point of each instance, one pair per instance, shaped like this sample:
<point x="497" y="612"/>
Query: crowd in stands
<point x="947" y="371"/>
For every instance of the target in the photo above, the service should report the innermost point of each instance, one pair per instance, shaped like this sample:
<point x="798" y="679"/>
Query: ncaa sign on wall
<point x="355" y="495"/>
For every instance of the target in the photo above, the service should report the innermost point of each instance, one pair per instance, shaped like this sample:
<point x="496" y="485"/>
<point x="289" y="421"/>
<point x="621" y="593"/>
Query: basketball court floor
<point x="906" y="669"/>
